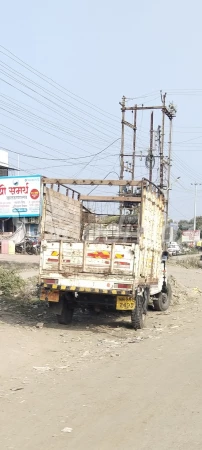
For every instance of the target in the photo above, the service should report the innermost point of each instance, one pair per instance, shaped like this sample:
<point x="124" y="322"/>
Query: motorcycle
<point x="19" y="248"/>
<point x="36" y="248"/>
<point x="30" y="247"/>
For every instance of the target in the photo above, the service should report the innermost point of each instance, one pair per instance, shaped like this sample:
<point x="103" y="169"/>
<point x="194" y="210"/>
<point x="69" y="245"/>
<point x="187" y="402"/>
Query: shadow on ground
<point x="32" y="314"/>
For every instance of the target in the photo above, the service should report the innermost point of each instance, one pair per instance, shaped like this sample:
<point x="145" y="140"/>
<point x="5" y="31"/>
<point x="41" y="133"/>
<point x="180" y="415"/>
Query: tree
<point x="184" y="225"/>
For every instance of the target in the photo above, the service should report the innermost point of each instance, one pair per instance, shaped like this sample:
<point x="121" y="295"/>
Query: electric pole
<point x="134" y="143"/>
<point x="122" y="144"/>
<point x="151" y="146"/>
<point x="195" y="199"/>
<point x="163" y="99"/>
<point x="169" y="166"/>
<point x="129" y="165"/>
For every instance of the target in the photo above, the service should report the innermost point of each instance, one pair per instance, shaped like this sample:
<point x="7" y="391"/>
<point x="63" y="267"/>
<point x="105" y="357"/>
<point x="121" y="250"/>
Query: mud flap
<point x="50" y="296"/>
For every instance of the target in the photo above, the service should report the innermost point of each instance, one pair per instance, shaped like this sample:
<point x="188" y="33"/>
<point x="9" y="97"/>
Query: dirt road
<point x="99" y="385"/>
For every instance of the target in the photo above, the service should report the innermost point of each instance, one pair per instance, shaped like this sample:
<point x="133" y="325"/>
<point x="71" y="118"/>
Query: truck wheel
<point x="138" y="315"/>
<point x="65" y="312"/>
<point x="163" y="301"/>
<point x="65" y="318"/>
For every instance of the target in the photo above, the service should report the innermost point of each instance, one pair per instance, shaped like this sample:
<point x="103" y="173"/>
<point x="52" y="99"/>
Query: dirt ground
<point x="98" y="384"/>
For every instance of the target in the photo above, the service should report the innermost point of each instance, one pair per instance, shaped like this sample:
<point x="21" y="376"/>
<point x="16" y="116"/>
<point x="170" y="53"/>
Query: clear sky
<point x="100" y="51"/>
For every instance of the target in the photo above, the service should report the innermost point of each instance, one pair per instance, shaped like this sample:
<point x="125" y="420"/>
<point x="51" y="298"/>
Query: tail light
<point x="123" y="286"/>
<point x="50" y="281"/>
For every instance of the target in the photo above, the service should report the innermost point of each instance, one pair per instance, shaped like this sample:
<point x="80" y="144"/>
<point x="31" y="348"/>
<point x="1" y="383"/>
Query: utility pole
<point x="122" y="144"/>
<point x="159" y="147"/>
<point x="134" y="144"/>
<point x="169" y="162"/>
<point x="151" y="146"/>
<point x="195" y="199"/>
<point x="149" y="162"/>
<point x="163" y="99"/>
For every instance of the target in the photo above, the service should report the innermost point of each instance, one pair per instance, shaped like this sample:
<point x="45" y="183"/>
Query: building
<point x="32" y="225"/>
<point x="20" y="202"/>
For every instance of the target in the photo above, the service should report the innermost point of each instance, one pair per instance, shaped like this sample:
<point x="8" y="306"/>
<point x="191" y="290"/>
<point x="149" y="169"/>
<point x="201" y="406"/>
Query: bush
<point x="11" y="284"/>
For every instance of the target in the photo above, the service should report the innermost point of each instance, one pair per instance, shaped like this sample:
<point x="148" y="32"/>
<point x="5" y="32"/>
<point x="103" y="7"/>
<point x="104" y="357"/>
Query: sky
<point x="97" y="52"/>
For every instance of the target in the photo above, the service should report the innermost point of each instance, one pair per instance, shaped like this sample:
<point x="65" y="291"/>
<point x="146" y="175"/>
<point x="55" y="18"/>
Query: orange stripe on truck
<point x="104" y="255"/>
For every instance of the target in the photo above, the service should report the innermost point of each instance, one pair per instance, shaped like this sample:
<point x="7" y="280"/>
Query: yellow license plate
<point x="51" y="296"/>
<point x="125" y="303"/>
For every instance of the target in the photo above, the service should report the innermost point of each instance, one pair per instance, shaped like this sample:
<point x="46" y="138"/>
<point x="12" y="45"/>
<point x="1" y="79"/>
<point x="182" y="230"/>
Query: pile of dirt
<point x="179" y="293"/>
<point x="187" y="263"/>
<point x="182" y="295"/>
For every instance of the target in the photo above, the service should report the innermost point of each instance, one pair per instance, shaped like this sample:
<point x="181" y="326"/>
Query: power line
<point x="52" y="82"/>
<point x="59" y="98"/>
<point x="58" y="159"/>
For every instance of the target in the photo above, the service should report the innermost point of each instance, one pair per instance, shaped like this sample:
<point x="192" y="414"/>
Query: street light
<point x="175" y="181"/>
<point x="195" y="197"/>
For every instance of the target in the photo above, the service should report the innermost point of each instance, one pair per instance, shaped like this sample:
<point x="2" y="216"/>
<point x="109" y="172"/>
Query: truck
<point x="103" y="252"/>
<point x="173" y="249"/>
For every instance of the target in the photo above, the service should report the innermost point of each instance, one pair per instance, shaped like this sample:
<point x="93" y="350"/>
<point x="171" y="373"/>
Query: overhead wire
<point x="93" y="117"/>
<point x="51" y="81"/>
<point x="58" y="159"/>
<point x="61" y="89"/>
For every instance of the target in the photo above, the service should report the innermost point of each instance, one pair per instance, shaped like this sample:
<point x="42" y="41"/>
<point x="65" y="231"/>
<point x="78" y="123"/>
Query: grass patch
<point x="11" y="284"/>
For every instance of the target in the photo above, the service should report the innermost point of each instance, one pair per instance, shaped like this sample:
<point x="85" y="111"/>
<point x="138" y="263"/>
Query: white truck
<point x="100" y="260"/>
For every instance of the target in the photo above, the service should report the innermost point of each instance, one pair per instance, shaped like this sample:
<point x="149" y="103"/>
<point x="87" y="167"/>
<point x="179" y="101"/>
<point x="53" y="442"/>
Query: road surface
<point x="99" y="385"/>
<point x="19" y="259"/>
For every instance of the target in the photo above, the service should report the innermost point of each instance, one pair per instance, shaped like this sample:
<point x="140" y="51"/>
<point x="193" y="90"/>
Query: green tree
<point x="184" y="225"/>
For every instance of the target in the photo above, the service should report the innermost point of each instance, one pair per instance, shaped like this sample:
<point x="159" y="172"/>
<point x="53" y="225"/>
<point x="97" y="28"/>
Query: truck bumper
<point x="122" y="301"/>
<point x="45" y="288"/>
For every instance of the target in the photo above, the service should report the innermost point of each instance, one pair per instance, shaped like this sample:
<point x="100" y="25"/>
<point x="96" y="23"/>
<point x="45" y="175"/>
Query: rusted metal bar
<point x="128" y="124"/>
<point x="91" y="182"/>
<point x="122" y="199"/>
<point x="141" y="108"/>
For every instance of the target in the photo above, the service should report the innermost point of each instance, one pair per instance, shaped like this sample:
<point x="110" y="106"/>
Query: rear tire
<point x="163" y="301"/>
<point x="65" y="318"/>
<point x="138" y="315"/>
<point x="66" y="310"/>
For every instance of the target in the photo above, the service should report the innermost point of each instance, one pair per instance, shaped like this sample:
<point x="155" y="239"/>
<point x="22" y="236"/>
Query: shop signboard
<point x="20" y="196"/>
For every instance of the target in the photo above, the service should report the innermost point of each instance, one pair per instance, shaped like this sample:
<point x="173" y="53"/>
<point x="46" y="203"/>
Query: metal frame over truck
<point x="103" y="260"/>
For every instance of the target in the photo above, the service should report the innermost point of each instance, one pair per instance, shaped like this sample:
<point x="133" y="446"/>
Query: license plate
<point x="50" y="296"/>
<point x="125" y="303"/>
